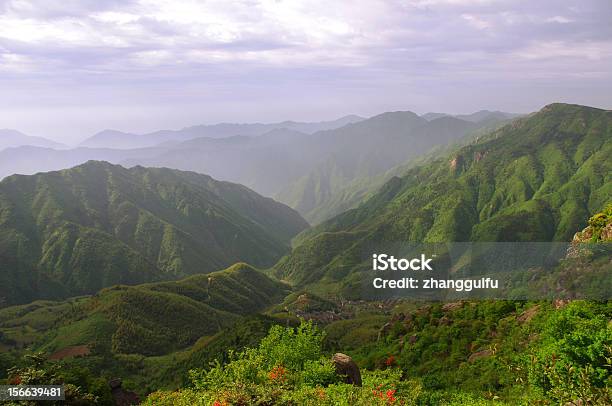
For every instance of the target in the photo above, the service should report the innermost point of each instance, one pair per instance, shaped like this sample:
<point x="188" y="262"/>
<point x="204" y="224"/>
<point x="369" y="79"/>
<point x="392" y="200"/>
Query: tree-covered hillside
<point x="151" y="334"/>
<point x="79" y="230"/>
<point x="148" y="319"/>
<point x="536" y="179"/>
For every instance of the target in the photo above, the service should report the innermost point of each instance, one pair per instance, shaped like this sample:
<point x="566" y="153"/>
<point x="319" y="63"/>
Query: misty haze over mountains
<point x="118" y="139"/>
<point x="305" y="165"/>
<point x="319" y="169"/>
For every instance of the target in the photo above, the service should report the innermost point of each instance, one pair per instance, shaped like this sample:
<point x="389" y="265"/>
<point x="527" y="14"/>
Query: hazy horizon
<point x="69" y="69"/>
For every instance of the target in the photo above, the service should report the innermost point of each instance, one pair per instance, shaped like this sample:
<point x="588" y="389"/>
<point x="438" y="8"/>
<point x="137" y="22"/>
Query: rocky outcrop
<point x="598" y="230"/>
<point x="449" y="307"/>
<point x="456" y="164"/>
<point x="606" y="233"/>
<point x="347" y="368"/>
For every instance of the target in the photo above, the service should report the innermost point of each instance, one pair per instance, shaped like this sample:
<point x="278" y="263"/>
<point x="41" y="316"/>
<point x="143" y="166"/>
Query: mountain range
<point x="121" y="140"/>
<point x="78" y="230"/>
<point x="534" y="179"/>
<point x="308" y="171"/>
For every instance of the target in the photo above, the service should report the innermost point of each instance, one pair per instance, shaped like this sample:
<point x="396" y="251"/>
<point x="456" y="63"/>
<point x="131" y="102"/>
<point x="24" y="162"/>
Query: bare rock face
<point x="121" y="396"/>
<point x="347" y="368"/>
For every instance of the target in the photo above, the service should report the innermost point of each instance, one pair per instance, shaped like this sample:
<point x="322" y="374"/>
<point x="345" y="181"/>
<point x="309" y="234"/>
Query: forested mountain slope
<point x="535" y="179"/>
<point x="76" y="231"/>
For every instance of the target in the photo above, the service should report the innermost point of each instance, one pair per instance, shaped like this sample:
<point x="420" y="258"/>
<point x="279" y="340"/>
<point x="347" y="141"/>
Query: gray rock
<point x="347" y="368"/>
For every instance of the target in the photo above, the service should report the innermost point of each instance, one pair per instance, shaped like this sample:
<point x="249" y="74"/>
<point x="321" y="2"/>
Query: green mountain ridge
<point x="147" y="319"/>
<point x="79" y="230"/>
<point x="535" y="179"/>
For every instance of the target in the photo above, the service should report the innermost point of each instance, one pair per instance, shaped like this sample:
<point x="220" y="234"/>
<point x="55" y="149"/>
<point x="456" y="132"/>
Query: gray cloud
<point x="74" y="67"/>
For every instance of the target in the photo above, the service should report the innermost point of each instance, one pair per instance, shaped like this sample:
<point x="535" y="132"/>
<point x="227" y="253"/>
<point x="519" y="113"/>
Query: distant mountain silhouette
<point x="13" y="138"/>
<point x="118" y="139"/>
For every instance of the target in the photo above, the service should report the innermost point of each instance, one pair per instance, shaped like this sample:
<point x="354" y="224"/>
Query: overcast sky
<point x="71" y="68"/>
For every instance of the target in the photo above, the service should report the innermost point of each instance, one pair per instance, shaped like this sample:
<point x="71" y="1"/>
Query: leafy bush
<point x="288" y="367"/>
<point x="599" y="221"/>
<point x="575" y="357"/>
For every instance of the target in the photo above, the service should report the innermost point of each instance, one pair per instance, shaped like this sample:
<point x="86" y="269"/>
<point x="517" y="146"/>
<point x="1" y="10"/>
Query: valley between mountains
<point x="113" y="265"/>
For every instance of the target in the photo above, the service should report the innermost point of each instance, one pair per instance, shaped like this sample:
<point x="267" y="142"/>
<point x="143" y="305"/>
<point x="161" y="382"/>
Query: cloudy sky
<point x="71" y="68"/>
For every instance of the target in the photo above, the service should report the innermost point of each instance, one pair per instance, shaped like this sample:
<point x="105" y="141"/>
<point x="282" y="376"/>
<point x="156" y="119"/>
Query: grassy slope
<point x="130" y="225"/>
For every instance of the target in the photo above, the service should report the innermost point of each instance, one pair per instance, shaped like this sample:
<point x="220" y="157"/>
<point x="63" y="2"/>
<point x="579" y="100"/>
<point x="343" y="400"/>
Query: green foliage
<point x="318" y="373"/>
<point x="490" y="352"/>
<point x="292" y="348"/>
<point x="286" y="348"/>
<point x="599" y="222"/>
<point x="575" y="357"/>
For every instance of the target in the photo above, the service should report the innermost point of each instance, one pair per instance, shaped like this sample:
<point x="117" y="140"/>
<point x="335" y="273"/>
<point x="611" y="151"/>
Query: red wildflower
<point x="278" y="374"/>
<point x="15" y="380"/>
